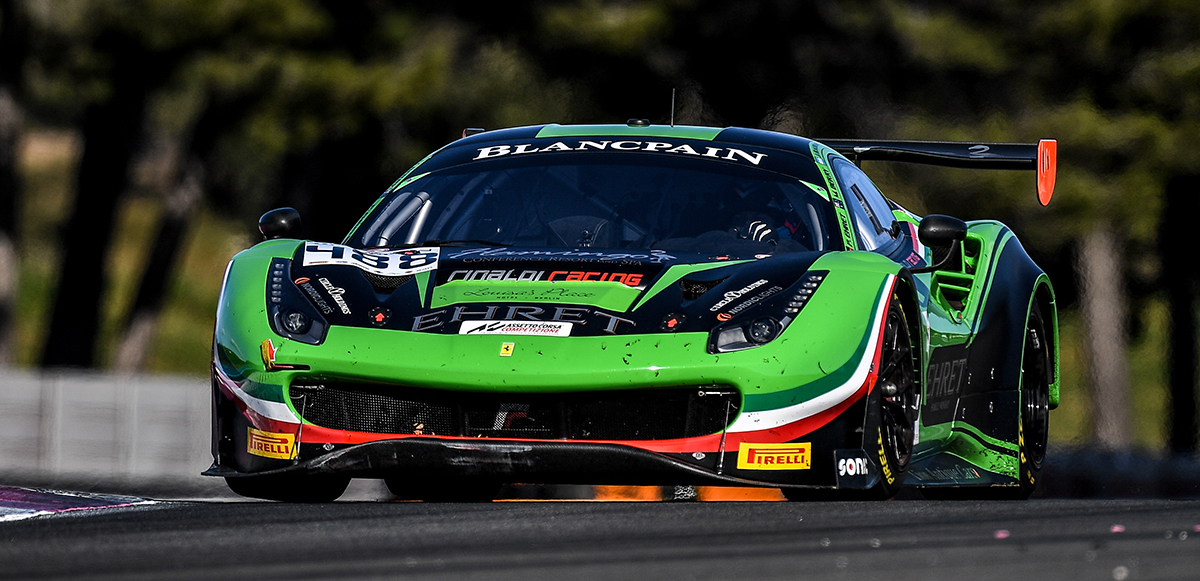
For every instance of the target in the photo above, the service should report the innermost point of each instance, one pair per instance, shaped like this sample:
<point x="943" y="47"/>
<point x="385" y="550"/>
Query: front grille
<point x="637" y="414"/>
<point x="385" y="284"/>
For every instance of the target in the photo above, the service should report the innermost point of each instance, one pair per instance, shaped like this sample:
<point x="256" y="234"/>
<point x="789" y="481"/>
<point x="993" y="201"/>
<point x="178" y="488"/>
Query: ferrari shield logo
<point x="506" y="349"/>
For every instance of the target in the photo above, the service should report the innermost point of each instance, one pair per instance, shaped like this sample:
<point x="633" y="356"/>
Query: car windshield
<point x="605" y="201"/>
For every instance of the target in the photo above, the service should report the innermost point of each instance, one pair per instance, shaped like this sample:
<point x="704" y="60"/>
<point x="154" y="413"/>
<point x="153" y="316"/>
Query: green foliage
<point x="267" y="92"/>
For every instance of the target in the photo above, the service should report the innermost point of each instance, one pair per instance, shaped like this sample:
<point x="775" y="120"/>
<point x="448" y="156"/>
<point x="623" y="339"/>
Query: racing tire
<point x="1033" y="425"/>
<point x="442" y="490"/>
<point x="290" y="488"/>
<point x="895" y="398"/>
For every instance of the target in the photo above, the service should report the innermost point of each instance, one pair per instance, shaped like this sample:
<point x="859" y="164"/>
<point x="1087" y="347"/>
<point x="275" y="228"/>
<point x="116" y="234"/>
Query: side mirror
<point x="280" y="223"/>
<point x="938" y="231"/>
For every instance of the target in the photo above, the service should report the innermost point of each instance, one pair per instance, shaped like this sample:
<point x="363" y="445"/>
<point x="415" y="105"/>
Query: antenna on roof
<point x="672" y="106"/>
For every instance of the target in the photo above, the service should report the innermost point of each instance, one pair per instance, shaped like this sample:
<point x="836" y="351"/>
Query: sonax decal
<point x="797" y="456"/>
<point x="537" y="328"/>
<point x="381" y="262"/>
<point x="270" y="444"/>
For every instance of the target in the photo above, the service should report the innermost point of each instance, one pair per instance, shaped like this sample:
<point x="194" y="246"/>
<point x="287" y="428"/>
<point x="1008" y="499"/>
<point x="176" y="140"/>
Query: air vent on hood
<point x="385" y="284"/>
<point x="693" y="289"/>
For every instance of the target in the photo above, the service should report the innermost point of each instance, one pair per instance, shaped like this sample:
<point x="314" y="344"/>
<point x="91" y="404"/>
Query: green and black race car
<point x="641" y="304"/>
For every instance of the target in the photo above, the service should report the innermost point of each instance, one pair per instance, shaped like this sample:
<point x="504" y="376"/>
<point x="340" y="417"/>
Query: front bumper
<point x="721" y="459"/>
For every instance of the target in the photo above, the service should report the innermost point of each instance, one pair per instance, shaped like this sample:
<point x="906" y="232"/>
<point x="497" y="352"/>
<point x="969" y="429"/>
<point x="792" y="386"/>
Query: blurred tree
<point x="319" y="104"/>
<point x="13" y="50"/>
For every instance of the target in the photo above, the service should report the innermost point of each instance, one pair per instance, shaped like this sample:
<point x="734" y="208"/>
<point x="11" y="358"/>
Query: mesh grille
<point x="643" y="414"/>
<point x="385" y="284"/>
<point x="693" y="289"/>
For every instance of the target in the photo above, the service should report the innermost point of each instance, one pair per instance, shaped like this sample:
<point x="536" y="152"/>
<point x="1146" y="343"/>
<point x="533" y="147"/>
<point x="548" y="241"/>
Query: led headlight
<point x="292" y="315"/>
<point x="744" y="335"/>
<point x="295" y="321"/>
<point x="747" y="333"/>
<point x="763" y="330"/>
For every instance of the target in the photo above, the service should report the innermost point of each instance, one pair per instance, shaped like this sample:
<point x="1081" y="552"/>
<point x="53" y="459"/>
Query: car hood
<point x="540" y="291"/>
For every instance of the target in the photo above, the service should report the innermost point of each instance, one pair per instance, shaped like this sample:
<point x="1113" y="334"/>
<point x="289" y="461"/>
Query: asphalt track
<point x="901" y="539"/>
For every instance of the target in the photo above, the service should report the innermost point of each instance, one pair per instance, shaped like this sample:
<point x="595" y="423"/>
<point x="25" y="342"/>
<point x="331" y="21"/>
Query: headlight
<point x="292" y="315"/>
<point x="295" y="322"/>
<point x="763" y="330"/>
<point x="751" y="332"/>
<point x="745" y="335"/>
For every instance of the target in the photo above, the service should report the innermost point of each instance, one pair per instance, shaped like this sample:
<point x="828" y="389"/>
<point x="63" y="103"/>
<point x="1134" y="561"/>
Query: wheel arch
<point x="906" y="288"/>
<point x="1043" y="296"/>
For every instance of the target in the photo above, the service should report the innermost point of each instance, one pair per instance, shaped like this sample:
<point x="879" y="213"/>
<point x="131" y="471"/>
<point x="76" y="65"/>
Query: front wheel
<point x="894" y="401"/>
<point x="1034" y="427"/>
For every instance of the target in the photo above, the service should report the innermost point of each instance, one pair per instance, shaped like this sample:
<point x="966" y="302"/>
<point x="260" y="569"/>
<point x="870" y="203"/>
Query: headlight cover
<point x="753" y="331"/>
<point x="292" y="315"/>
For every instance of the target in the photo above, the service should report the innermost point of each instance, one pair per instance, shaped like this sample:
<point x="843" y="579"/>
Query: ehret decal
<point x="819" y="154"/>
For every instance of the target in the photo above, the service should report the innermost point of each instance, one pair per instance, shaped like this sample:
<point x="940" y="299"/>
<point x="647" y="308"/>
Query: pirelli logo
<point x="270" y="444"/>
<point x="796" y="456"/>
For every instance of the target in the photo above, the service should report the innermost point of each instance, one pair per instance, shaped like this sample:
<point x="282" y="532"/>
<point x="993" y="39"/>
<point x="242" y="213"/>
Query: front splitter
<point x="508" y="461"/>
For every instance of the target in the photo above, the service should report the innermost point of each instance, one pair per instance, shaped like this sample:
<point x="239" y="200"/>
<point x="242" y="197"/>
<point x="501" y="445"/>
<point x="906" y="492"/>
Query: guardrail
<point x="80" y="427"/>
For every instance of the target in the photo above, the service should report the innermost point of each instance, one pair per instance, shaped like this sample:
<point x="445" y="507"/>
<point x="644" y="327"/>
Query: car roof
<point x="781" y="149"/>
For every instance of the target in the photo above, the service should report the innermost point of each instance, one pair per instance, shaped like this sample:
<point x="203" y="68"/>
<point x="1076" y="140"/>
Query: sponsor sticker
<point x="750" y="302"/>
<point x="734" y="295"/>
<point x="794" y="456"/>
<point x="335" y="293"/>
<point x="724" y="153"/>
<point x="852" y="466"/>
<point x="381" y="262"/>
<point x="535" y="328"/>
<point x="270" y="444"/>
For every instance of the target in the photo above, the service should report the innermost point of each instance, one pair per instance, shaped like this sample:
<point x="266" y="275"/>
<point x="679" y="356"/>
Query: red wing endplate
<point x="1041" y="156"/>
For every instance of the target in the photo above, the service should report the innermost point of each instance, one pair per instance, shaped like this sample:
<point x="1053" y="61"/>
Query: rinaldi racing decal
<point x="633" y="279"/>
<point x="725" y="153"/>
<point x="795" y="456"/>
<point x="768" y="419"/>
<point x="381" y="262"/>
<point x="819" y="153"/>
<point x="270" y="444"/>
<point x="540" y="329"/>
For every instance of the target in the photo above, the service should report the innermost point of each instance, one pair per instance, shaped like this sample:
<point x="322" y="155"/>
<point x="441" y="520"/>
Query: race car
<point x="641" y="304"/>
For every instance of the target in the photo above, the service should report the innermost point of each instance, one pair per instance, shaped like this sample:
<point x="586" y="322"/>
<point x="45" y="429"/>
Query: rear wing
<point x="1041" y="157"/>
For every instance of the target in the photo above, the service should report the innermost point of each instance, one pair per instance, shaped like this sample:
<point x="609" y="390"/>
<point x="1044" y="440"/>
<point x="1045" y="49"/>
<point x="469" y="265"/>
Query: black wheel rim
<point x="898" y="368"/>
<point x="1035" y="392"/>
